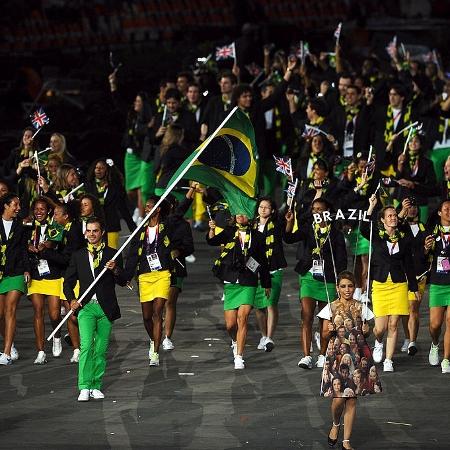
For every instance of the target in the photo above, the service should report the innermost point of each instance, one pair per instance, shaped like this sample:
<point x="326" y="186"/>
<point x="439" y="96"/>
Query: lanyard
<point x="391" y="249"/>
<point x="242" y="240"/>
<point x="445" y="238"/>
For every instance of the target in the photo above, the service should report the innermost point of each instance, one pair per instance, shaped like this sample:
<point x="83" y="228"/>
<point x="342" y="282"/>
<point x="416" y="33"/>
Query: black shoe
<point x="68" y="340"/>
<point x="269" y="346"/>
<point x="412" y="349"/>
<point x="332" y="442"/>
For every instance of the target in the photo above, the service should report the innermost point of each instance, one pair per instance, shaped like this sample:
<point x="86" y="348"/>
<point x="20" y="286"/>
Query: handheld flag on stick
<point x="67" y="197"/>
<point x="284" y="166"/>
<point x="175" y="179"/>
<point x="337" y="33"/>
<point x="392" y="47"/>
<point x="292" y="187"/>
<point x="410" y="132"/>
<point x="226" y="52"/>
<point x="311" y="131"/>
<point x="38" y="120"/>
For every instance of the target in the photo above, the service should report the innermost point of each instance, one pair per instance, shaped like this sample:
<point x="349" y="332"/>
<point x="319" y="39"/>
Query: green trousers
<point x="95" y="329"/>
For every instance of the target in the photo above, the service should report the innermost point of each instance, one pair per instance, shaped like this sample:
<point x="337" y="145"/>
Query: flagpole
<point x="36" y="157"/>
<point x="407" y="140"/>
<point x="146" y="218"/>
<point x="37" y="131"/>
<point x="408" y="127"/>
<point x="67" y="196"/>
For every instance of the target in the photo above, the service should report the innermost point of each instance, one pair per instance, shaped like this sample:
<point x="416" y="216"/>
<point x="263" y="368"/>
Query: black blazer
<point x="115" y="206"/>
<point x="305" y="235"/>
<point x="137" y="260"/>
<point x="80" y="269"/>
<point x="399" y="265"/>
<point x="233" y="266"/>
<point x="16" y="249"/>
<point x="277" y="261"/>
<point x="182" y="240"/>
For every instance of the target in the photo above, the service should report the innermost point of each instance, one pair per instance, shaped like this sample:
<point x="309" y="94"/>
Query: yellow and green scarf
<point x="230" y="246"/>
<point x="321" y="234"/>
<point x="389" y="130"/>
<point x="96" y="252"/>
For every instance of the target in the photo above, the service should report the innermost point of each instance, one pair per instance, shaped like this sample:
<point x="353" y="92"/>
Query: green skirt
<point x="139" y="175"/>
<point x="261" y="301"/>
<point x="359" y="245"/>
<point x="309" y="287"/>
<point x="438" y="158"/>
<point x="16" y="283"/>
<point x="237" y="295"/>
<point x="439" y="295"/>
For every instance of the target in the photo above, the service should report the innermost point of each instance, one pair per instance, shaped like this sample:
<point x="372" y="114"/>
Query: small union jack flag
<point x="284" y="166"/>
<point x="392" y="47"/>
<point x="39" y="118"/>
<point x="337" y="32"/>
<point x="291" y="189"/>
<point x="225" y="52"/>
<point x="310" y="131"/>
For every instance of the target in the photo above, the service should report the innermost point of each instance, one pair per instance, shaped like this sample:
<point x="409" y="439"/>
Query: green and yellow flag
<point x="229" y="163"/>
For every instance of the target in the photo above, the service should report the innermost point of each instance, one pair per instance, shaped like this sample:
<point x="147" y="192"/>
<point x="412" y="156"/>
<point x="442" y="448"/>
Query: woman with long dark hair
<point x="266" y="308"/>
<point x="105" y="182"/>
<point x="14" y="271"/>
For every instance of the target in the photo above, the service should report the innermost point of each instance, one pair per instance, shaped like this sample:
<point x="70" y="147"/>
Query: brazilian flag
<point x="229" y="163"/>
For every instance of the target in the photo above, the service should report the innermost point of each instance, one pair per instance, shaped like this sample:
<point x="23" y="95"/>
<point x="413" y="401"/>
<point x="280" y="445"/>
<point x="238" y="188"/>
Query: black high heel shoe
<point x="332" y="442"/>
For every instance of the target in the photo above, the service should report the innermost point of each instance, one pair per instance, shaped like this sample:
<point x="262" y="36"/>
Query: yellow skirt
<point x="76" y="290"/>
<point x="422" y="286"/>
<point x="154" y="285"/>
<point x="113" y="239"/>
<point x="390" y="299"/>
<point x="45" y="287"/>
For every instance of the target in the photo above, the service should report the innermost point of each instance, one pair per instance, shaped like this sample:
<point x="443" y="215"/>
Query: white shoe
<point x="306" y="362"/>
<point x="84" y="395"/>
<point x="445" y="365"/>
<point x="404" y="348"/>
<point x="317" y="339"/>
<point x="41" y="358"/>
<point x="320" y="361"/>
<point x="239" y="362"/>
<point x="412" y="348"/>
<point x="433" y="356"/>
<point x="151" y="350"/>
<point x="154" y="359"/>
<point x="97" y="394"/>
<point x="269" y="345"/>
<point x="5" y="360"/>
<point x="167" y="344"/>
<point x="14" y="353"/>
<point x="388" y="365"/>
<point x="190" y="259"/>
<point x="262" y="341"/>
<point x="234" y="348"/>
<point x="378" y="351"/>
<point x="76" y="356"/>
<point x="57" y="347"/>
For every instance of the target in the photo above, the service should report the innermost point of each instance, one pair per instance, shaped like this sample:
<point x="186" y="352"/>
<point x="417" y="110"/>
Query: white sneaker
<point x="269" y="344"/>
<point x="167" y="344"/>
<point x="97" y="394"/>
<point x="404" y="348"/>
<point x="388" y="365"/>
<point x="433" y="356"/>
<point x="378" y="352"/>
<point x="306" y="362"/>
<point x="412" y="348"/>
<point x="41" y="358"/>
<point x="317" y="339"/>
<point x="239" y="362"/>
<point x="234" y="348"/>
<point x="445" y="365"/>
<point x="57" y="347"/>
<point x="14" y="353"/>
<point x="76" y="356"/>
<point x="320" y="361"/>
<point x="151" y="350"/>
<point x="84" y="395"/>
<point x="190" y="259"/>
<point x="262" y="341"/>
<point x="154" y="359"/>
<point x="5" y="360"/>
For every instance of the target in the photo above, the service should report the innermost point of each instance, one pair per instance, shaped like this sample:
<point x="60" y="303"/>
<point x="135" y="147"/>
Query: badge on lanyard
<point x="252" y="264"/>
<point x="442" y="264"/>
<point x="153" y="262"/>
<point x="317" y="267"/>
<point x="43" y="267"/>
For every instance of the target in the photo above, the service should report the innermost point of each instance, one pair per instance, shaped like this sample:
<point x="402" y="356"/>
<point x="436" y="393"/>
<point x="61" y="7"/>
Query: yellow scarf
<point x="96" y="252"/>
